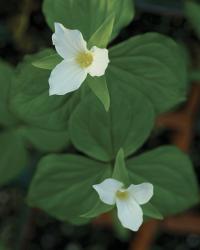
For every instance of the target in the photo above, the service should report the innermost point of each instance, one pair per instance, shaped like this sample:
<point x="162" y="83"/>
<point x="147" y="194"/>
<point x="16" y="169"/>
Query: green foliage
<point x="20" y="105"/>
<point x="101" y="134"/>
<point x="102" y="35"/>
<point x="6" y="74"/>
<point x="30" y="98"/>
<point x="88" y="16"/>
<point x="171" y="173"/>
<point x="97" y="210"/>
<point x="48" y="62"/>
<point x="150" y="211"/>
<point x="194" y="75"/>
<point x="146" y="76"/>
<point x="98" y="85"/>
<point x="44" y="140"/>
<point x="62" y="186"/>
<point x="120" y="172"/>
<point x="152" y="64"/>
<point x="192" y="12"/>
<point x="13" y="156"/>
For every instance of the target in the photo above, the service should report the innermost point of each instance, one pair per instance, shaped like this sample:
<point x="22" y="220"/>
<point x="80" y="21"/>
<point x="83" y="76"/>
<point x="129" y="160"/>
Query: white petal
<point x="100" y="62"/>
<point x="129" y="213"/>
<point x="68" y="42"/>
<point x="67" y="76"/>
<point x="107" y="190"/>
<point x="142" y="193"/>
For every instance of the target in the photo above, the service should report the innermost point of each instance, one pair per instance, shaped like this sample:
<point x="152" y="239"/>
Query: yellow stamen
<point x="84" y="59"/>
<point x="122" y="195"/>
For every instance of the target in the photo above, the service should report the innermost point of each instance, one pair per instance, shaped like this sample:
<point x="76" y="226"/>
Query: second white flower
<point x="128" y="200"/>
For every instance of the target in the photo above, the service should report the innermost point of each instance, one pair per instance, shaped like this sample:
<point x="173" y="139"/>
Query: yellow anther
<point x="84" y="59"/>
<point x="122" y="195"/>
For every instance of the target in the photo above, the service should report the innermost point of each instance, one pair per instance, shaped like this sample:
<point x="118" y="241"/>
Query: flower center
<point x="122" y="195"/>
<point x="84" y="59"/>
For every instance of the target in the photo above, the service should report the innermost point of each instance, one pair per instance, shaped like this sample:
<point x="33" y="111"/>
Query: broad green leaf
<point x="103" y="34"/>
<point x="45" y="140"/>
<point x="88" y="16"/>
<point x="192" y="12"/>
<point x="6" y="74"/>
<point x="13" y="156"/>
<point x="31" y="102"/>
<point x="152" y="64"/>
<point x="99" y="87"/>
<point x="62" y="186"/>
<point x="48" y="62"/>
<point x="151" y="211"/>
<point x="120" y="172"/>
<point x="101" y="134"/>
<point x="171" y="173"/>
<point x="97" y="210"/>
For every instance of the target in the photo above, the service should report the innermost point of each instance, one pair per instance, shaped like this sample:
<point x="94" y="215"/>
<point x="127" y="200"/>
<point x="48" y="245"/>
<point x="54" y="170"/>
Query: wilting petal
<point x="107" y="190"/>
<point x="129" y="213"/>
<point x="100" y="62"/>
<point x="68" y="42"/>
<point x="142" y="193"/>
<point x="66" y="77"/>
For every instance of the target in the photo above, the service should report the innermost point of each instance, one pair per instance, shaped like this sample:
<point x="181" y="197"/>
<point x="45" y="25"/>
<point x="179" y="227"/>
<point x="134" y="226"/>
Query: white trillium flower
<point x="77" y="62"/>
<point x="128" y="200"/>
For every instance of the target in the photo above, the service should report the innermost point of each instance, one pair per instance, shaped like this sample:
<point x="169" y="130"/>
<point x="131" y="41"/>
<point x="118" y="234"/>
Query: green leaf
<point x="98" y="209"/>
<point x="48" y="62"/>
<point x="151" y="211"/>
<point x="63" y="182"/>
<point x="154" y="65"/>
<point x="101" y="134"/>
<point x="171" y="173"/>
<point x="103" y="34"/>
<point x="45" y="140"/>
<point x="88" y="16"/>
<point x="13" y="156"/>
<point x="99" y="87"/>
<point x="6" y="74"/>
<point x="194" y="75"/>
<point x="192" y="12"/>
<point x="120" y="172"/>
<point x="31" y="102"/>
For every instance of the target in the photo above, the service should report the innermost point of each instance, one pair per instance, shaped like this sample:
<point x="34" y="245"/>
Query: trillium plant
<point x="86" y="106"/>
<point x="78" y="61"/>
<point x="128" y="200"/>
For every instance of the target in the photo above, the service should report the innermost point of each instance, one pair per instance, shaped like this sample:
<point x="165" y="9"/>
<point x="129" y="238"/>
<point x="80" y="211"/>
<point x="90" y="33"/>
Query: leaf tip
<point x="120" y="153"/>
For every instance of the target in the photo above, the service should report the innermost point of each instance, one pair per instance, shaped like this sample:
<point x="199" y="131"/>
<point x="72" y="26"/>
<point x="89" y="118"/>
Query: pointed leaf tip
<point x="102" y="35"/>
<point x="98" y="85"/>
<point x="120" y="172"/>
<point x="47" y="62"/>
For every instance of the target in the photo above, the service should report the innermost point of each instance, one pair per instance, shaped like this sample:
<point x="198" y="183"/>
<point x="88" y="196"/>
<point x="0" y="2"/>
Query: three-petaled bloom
<point x="77" y="62"/>
<point x="128" y="200"/>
